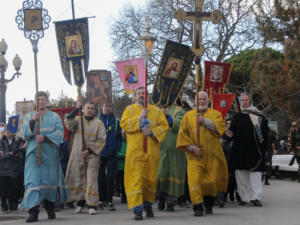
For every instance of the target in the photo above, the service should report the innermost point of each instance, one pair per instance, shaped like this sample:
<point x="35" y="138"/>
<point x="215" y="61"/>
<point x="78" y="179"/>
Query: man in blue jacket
<point x="108" y="157"/>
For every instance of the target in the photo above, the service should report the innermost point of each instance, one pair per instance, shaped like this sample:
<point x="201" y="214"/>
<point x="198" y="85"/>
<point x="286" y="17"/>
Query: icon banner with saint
<point x="99" y="87"/>
<point x="216" y="77"/>
<point x="132" y="73"/>
<point x="172" y="72"/>
<point x="73" y="47"/>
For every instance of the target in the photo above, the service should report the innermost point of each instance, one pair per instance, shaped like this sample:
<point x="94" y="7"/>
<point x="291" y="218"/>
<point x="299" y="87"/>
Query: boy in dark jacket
<point x="108" y="160"/>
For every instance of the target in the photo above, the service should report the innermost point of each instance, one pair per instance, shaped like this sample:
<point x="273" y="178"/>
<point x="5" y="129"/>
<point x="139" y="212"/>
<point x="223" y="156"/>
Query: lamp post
<point x="147" y="41"/>
<point x="17" y="62"/>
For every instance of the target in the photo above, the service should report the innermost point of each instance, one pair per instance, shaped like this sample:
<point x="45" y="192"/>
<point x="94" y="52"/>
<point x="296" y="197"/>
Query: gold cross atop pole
<point x="198" y="16"/>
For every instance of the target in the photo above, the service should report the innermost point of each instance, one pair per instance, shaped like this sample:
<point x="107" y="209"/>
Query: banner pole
<point x="146" y="104"/>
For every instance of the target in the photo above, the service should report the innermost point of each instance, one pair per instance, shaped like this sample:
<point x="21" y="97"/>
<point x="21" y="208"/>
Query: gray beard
<point x="202" y="108"/>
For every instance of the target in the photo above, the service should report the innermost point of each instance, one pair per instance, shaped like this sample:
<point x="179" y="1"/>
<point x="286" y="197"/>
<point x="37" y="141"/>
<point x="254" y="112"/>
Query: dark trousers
<point x="120" y="183"/>
<point x="5" y="187"/>
<point x="106" y="178"/>
<point x="208" y="201"/>
<point x="11" y="190"/>
<point x="232" y="186"/>
<point x="186" y="196"/>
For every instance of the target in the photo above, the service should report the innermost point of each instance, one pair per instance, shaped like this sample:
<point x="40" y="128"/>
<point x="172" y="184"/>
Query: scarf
<point x="255" y="116"/>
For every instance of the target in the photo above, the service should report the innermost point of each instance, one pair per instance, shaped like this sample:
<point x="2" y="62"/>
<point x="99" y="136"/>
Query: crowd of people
<point x="170" y="155"/>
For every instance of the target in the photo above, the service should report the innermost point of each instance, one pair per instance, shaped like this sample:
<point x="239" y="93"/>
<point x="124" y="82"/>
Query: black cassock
<point x="247" y="151"/>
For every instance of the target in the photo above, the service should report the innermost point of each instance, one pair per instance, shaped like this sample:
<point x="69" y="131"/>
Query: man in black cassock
<point x="249" y="132"/>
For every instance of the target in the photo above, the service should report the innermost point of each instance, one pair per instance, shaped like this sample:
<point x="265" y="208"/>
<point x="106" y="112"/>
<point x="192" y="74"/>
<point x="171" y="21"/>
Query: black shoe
<point x="70" y="205"/>
<point x="256" y="202"/>
<point x="238" y="197"/>
<point x="102" y="205"/>
<point x="149" y="212"/>
<point x="4" y="209"/>
<point x="111" y="207"/>
<point x="170" y="207"/>
<point x="51" y="214"/>
<point x="242" y="203"/>
<point x="138" y="215"/>
<point x="198" y="212"/>
<point x="161" y="205"/>
<point x="198" y="209"/>
<point x="208" y="211"/>
<point x="267" y="182"/>
<point x="32" y="218"/>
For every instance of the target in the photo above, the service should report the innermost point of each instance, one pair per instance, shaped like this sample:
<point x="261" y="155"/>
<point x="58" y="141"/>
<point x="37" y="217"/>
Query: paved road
<point x="281" y="207"/>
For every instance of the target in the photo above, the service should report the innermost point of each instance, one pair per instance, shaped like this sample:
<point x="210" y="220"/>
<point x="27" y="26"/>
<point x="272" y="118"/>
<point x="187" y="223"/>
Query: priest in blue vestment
<point x="42" y="183"/>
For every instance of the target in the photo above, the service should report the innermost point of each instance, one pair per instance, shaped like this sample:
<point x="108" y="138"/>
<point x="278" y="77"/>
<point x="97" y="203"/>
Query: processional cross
<point x="33" y="20"/>
<point x="198" y="16"/>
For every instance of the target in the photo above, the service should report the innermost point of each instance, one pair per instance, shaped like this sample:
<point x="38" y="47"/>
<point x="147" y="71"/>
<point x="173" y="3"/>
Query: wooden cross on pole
<point x="198" y="16"/>
<point x="197" y="48"/>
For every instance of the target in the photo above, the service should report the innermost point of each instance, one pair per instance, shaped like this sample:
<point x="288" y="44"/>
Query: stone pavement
<point x="281" y="207"/>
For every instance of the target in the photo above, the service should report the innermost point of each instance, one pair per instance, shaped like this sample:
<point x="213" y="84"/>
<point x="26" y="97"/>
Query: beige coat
<point x="82" y="175"/>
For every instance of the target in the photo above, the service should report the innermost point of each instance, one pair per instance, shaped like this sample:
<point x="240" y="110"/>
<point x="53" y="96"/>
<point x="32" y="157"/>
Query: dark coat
<point x="113" y="136"/>
<point x="12" y="161"/>
<point x="247" y="151"/>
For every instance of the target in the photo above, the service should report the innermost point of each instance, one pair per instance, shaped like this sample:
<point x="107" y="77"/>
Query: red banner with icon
<point x="216" y="76"/>
<point x="222" y="102"/>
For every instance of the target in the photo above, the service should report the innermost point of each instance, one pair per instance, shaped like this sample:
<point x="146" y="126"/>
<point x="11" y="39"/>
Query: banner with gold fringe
<point x="132" y="73"/>
<point x="172" y="72"/>
<point x="216" y="76"/>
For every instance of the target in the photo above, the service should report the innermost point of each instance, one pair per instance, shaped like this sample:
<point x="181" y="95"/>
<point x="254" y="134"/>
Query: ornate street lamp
<point x="17" y="62"/>
<point x="147" y="42"/>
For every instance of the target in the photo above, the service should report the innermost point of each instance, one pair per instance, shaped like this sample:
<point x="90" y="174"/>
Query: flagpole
<point x="73" y="10"/>
<point x="35" y="50"/>
<point x="237" y="103"/>
<point x="146" y="104"/>
<point x="197" y="62"/>
<point x="79" y="95"/>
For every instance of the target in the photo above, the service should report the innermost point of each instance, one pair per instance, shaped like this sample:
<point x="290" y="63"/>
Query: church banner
<point x="216" y="76"/>
<point x="22" y="108"/>
<point x="174" y="68"/>
<point x="13" y="124"/>
<point x="62" y="112"/>
<point x="73" y="46"/>
<point x="222" y="102"/>
<point x="132" y="73"/>
<point x="99" y="87"/>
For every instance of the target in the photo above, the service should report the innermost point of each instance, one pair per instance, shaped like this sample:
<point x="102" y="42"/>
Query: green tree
<point x="242" y="80"/>
<point x="280" y="24"/>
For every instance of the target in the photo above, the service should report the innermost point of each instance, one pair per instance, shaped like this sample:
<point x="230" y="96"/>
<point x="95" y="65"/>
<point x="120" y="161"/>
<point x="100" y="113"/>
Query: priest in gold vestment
<point x="140" y="167"/>
<point x="206" y="167"/>
<point x="83" y="165"/>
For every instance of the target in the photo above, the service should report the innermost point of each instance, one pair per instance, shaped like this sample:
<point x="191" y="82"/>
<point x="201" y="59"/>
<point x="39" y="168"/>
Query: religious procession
<point x="198" y="123"/>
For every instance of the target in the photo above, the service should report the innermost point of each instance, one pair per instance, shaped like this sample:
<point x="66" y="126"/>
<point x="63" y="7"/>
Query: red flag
<point x="222" y="102"/>
<point x="216" y="77"/>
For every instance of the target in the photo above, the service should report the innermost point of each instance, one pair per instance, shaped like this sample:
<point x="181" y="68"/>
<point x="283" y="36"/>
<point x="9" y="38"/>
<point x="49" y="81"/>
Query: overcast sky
<point x="50" y="74"/>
